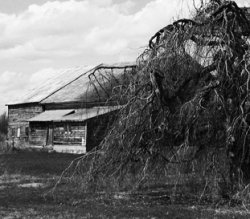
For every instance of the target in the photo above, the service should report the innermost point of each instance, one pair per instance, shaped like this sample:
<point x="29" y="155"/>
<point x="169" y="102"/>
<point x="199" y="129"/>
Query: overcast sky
<point x="40" y="37"/>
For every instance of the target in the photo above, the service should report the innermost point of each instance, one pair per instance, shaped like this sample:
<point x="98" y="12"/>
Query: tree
<point x="188" y="100"/>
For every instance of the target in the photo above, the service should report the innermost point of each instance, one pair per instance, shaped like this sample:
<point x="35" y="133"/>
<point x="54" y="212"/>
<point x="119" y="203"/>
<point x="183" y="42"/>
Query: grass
<point x="27" y="179"/>
<point x="36" y="163"/>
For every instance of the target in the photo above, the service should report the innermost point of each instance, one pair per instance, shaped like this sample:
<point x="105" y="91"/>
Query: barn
<point x="67" y="113"/>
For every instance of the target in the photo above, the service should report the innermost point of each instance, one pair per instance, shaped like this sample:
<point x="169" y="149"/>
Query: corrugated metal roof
<point x="51" y="85"/>
<point x="72" y="115"/>
<point x="68" y="85"/>
<point x="81" y="90"/>
<point x="51" y="115"/>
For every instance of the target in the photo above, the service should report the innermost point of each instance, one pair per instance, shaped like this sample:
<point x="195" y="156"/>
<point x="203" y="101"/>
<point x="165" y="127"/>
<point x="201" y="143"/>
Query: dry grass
<point x="27" y="179"/>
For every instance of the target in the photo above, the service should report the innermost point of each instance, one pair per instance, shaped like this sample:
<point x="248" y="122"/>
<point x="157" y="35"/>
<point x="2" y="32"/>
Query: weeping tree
<point x="187" y="101"/>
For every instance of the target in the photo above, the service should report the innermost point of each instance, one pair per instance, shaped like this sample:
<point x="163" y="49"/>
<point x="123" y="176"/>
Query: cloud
<point x="126" y="7"/>
<point x="14" y="85"/>
<point x="11" y="85"/>
<point x="77" y="28"/>
<point x="64" y="33"/>
<point x="243" y="3"/>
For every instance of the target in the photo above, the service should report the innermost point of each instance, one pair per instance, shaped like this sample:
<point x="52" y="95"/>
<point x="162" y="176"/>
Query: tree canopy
<point x="187" y="101"/>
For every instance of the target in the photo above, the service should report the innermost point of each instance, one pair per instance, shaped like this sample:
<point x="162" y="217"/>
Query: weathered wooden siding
<point x="65" y="136"/>
<point x="38" y="134"/>
<point x="70" y="133"/>
<point x="18" y="128"/>
<point x="21" y="113"/>
<point x="62" y="136"/>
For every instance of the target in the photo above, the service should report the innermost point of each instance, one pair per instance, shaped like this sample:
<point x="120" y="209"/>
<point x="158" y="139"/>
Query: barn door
<point x="50" y="136"/>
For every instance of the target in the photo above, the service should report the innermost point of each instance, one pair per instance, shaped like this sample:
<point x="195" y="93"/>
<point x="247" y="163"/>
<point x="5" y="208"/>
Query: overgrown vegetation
<point x="185" y="109"/>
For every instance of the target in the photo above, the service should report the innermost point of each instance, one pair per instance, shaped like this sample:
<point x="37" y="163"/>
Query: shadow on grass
<point x="35" y="163"/>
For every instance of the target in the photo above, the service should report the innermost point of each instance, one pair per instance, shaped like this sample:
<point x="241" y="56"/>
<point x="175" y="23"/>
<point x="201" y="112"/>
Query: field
<point x="27" y="180"/>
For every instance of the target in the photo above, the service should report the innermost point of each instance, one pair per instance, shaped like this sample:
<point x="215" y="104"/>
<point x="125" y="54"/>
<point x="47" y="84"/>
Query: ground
<point x="27" y="181"/>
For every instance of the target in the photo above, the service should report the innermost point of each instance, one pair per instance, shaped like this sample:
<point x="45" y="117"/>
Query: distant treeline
<point x="3" y="124"/>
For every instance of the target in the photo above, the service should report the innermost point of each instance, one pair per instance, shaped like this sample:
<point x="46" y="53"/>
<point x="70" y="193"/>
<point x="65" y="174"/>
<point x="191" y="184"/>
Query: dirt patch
<point x="31" y="185"/>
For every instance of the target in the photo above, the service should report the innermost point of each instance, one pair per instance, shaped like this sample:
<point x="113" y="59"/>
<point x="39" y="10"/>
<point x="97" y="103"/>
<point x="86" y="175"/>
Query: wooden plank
<point x="23" y="112"/>
<point x="69" y="134"/>
<point x="38" y="134"/>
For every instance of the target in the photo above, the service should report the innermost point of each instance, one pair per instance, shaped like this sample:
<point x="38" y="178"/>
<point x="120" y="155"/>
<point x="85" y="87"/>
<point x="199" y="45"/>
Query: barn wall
<point x="67" y="137"/>
<point x="69" y="133"/>
<point x="18" y="128"/>
<point x="38" y="134"/>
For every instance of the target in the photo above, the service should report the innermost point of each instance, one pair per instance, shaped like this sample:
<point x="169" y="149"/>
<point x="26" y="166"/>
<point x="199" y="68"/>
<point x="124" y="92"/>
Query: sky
<point x="39" y="38"/>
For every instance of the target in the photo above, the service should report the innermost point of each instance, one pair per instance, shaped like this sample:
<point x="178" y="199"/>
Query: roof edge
<point x="100" y="66"/>
<point x="68" y="83"/>
<point x="93" y="69"/>
<point x="23" y="103"/>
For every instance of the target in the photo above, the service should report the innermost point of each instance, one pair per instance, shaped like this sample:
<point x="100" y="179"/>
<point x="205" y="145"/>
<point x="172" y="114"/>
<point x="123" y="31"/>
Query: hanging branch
<point x="176" y="108"/>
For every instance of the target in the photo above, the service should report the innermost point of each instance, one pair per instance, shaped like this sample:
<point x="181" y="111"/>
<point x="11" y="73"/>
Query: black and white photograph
<point x="125" y="109"/>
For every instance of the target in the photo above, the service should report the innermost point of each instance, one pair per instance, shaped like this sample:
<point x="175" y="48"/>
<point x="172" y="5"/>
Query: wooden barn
<point x="66" y="113"/>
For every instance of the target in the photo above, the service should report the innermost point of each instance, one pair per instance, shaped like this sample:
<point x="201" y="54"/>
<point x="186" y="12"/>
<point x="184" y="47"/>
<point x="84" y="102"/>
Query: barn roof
<point x="72" y="114"/>
<point x="81" y="90"/>
<point x="68" y="85"/>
